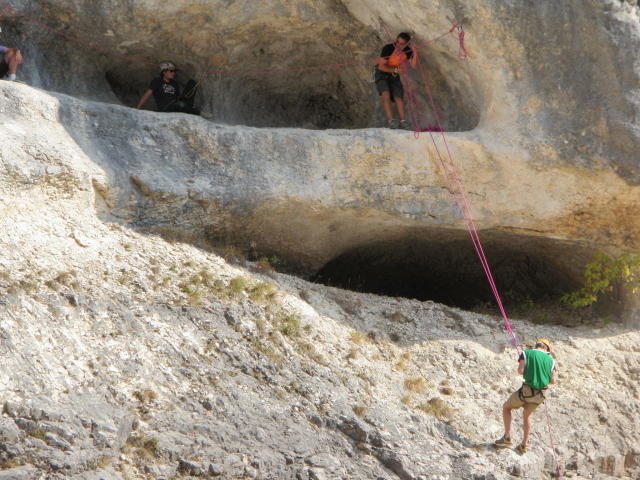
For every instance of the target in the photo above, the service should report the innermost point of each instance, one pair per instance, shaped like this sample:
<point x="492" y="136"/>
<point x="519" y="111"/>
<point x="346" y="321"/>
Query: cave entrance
<point x="447" y="270"/>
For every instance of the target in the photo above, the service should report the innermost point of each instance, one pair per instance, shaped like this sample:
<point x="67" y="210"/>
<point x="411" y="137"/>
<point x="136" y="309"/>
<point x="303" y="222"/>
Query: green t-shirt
<point x="538" y="366"/>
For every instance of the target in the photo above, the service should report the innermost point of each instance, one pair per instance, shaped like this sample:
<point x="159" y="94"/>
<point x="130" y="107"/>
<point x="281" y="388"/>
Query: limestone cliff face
<point x="554" y="81"/>
<point x="128" y="356"/>
<point x="546" y="106"/>
<point x="311" y="196"/>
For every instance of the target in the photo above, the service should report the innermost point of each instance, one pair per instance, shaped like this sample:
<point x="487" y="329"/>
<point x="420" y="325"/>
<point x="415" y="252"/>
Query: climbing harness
<point x="534" y="393"/>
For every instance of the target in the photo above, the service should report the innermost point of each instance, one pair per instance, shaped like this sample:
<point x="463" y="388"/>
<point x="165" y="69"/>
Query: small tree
<point x="602" y="275"/>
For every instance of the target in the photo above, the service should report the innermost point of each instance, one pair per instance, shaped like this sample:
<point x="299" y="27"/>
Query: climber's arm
<point x="414" y="58"/>
<point x="144" y="98"/>
<point x="383" y="66"/>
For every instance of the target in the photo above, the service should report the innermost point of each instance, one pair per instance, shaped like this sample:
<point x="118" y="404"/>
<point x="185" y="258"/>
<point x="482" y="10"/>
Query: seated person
<point x="10" y="59"/>
<point x="166" y="92"/>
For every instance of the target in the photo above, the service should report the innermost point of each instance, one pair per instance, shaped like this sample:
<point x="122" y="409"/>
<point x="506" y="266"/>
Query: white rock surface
<point x="128" y="356"/>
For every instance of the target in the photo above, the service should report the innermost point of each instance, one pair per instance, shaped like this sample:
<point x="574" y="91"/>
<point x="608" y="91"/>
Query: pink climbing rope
<point x="462" y="51"/>
<point x="451" y="171"/>
<point x="456" y="187"/>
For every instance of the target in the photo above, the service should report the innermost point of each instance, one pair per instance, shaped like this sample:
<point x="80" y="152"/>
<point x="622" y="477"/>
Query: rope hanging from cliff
<point x="450" y="168"/>
<point x="456" y="187"/>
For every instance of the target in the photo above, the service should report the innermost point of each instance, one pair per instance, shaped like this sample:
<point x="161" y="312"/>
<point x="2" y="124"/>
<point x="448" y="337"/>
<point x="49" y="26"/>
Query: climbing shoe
<point x="404" y="125"/>
<point x="392" y="123"/>
<point x="521" y="449"/>
<point x="502" y="442"/>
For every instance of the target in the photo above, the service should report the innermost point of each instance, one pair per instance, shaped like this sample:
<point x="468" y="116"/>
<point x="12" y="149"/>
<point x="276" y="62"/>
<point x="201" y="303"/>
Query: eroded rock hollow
<point x="279" y="46"/>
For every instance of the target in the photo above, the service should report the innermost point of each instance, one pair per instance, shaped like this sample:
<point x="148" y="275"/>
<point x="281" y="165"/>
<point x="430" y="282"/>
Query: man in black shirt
<point x="393" y="60"/>
<point x="166" y="92"/>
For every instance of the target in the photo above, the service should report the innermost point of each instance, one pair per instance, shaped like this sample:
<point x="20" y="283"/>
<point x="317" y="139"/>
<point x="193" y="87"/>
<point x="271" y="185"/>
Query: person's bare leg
<point x="400" y="107"/>
<point x="526" y="420"/>
<point x="386" y="104"/>
<point x="13" y="58"/>
<point x="506" y="418"/>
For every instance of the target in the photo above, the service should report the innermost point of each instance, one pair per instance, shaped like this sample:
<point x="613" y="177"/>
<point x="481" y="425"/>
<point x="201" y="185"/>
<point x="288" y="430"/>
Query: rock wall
<point x="130" y="350"/>
<point x="311" y="197"/>
<point x="556" y="81"/>
<point x="546" y="110"/>
<point x="129" y="356"/>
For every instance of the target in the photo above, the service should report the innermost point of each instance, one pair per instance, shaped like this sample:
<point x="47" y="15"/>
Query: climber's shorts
<point x="4" y="69"/>
<point x="525" y="399"/>
<point x="388" y="82"/>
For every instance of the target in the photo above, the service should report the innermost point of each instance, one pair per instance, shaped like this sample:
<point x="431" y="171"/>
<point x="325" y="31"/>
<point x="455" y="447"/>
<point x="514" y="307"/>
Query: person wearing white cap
<point x="166" y="92"/>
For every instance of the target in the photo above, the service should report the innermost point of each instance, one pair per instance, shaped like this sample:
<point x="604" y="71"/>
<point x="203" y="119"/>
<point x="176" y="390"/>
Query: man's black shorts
<point x="4" y="68"/>
<point x="388" y="82"/>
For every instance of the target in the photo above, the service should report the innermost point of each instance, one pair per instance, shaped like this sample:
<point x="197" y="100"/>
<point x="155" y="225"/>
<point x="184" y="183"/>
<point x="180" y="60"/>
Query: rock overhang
<point x="256" y="66"/>
<point x="317" y="199"/>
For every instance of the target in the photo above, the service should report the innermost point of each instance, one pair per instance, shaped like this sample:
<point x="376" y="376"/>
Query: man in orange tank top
<point x="394" y="59"/>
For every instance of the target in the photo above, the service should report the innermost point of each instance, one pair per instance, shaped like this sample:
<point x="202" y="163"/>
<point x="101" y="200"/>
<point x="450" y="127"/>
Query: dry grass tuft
<point x="262" y="292"/>
<point x="436" y="407"/>
<point x="238" y="285"/>
<point x="416" y="385"/>
<point x="145" y="396"/>
<point x="358" y="337"/>
<point x="360" y="410"/>
<point x="288" y="325"/>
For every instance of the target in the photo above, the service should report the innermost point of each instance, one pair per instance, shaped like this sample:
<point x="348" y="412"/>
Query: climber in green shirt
<point x="538" y="368"/>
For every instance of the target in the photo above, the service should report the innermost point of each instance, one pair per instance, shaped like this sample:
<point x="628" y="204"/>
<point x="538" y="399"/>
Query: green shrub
<point x="602" y="275"/>
<point x="38" y="433"/>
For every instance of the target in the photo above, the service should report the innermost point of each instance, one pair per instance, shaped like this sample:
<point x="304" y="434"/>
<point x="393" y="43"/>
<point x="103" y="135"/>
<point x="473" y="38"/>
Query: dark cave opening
<point x="526" y="271"/>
